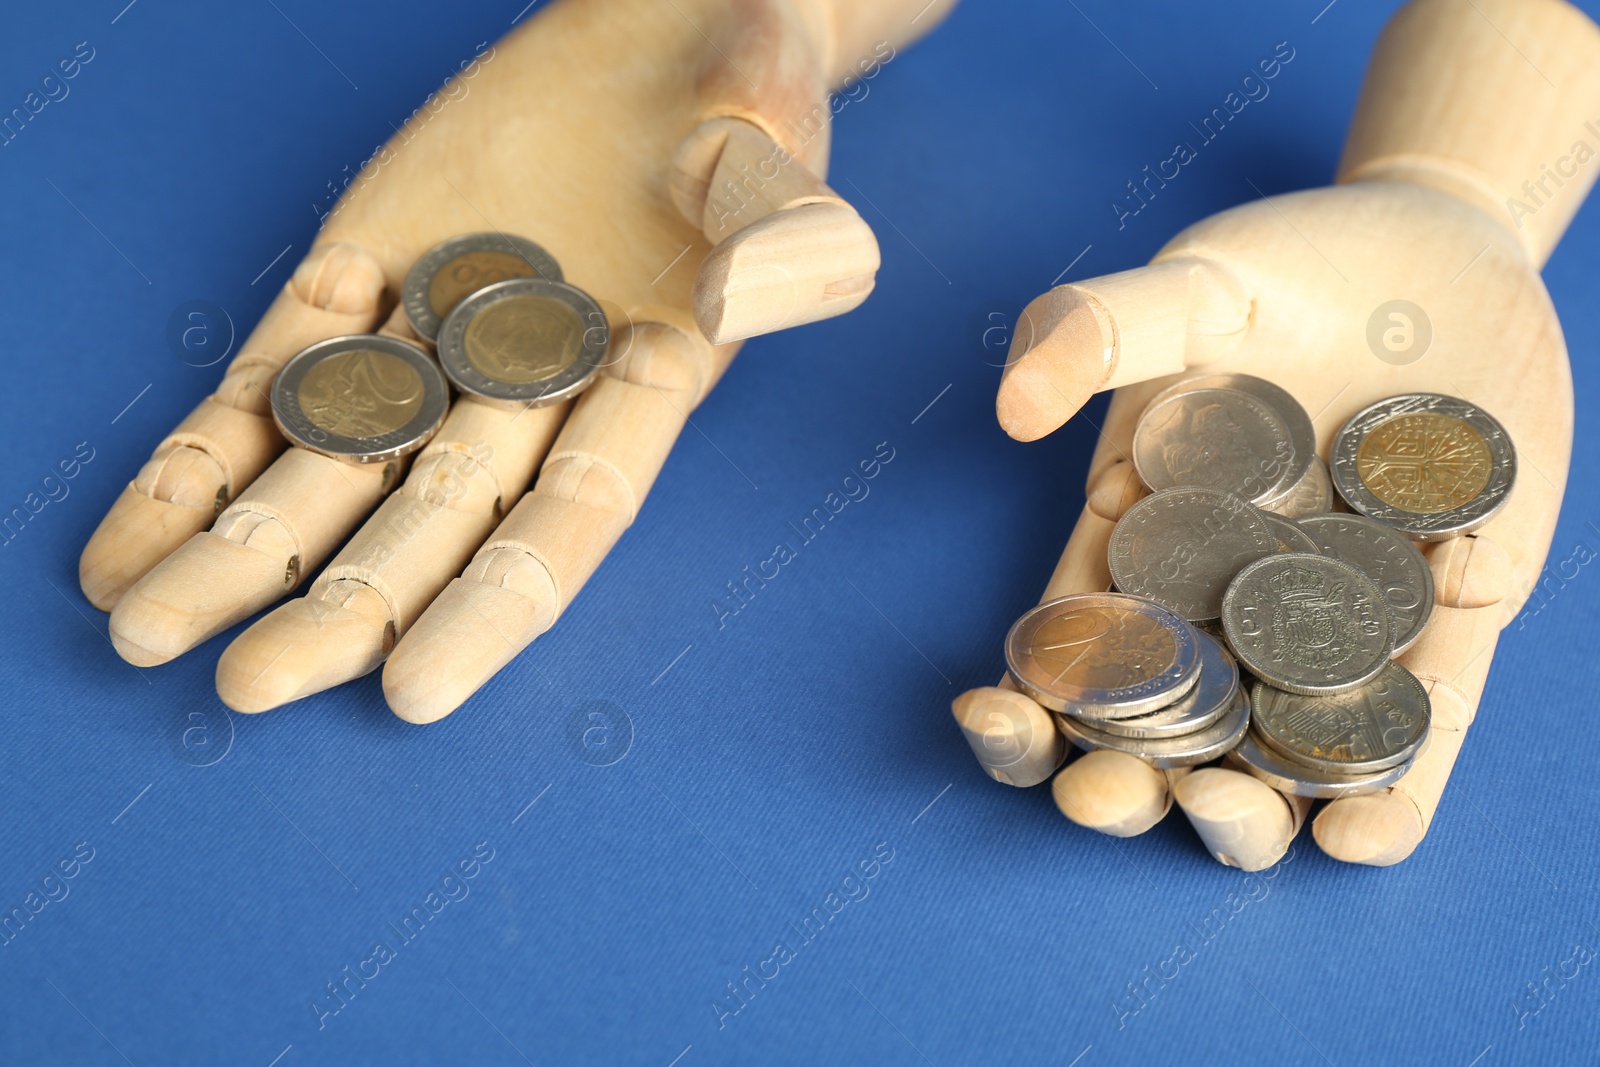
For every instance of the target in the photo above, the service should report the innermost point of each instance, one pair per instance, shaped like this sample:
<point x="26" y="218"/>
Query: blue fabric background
<point x="239" y="864"/>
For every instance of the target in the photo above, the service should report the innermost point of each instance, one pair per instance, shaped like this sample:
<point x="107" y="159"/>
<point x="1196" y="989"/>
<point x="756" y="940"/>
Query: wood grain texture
<point x="1460" y="174"/>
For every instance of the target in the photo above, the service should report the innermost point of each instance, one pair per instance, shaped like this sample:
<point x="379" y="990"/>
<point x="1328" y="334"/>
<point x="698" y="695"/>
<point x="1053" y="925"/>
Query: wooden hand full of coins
<point x="1403" y="309"/>
<point x="682" y="185"/>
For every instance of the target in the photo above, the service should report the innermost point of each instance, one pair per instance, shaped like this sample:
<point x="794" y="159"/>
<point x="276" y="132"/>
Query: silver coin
<point x="1311" y="495"/>
<point x="1108" y="654"/>
<point x="1291" y="538"/>
<point x="1220" y="439"/>
<point x="1369" y="728"/>
<point x="1259" y="761"/>
<point x="451" y="271"/>
<point x="1390" y="559"/>
<point x="524" y="342"/>
<point x="363" y="398"/>
<point x="1302" y="436"/>
<point x="1186" y="750"/>
<point x="1307" y="624"/>
<point x="1207" y="702"/>
<point x="1181" y="548"/>
<point x="1433" y="467"/>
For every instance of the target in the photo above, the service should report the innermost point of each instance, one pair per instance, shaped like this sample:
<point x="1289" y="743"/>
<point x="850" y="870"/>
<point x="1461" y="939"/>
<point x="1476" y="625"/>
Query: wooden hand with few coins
<point x="645" y="180"/>
<point x="1472" y="146"/>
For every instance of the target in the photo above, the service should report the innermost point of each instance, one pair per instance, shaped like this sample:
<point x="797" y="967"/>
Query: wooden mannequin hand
<point x="669" y="155"/>
<point x="1463" y="104"/>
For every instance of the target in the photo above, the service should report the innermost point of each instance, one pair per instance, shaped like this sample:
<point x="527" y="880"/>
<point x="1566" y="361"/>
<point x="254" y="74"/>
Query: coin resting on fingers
<point x="453" y="270"/>
<point x="360" y="399"/>
<point x="524" y="342"/>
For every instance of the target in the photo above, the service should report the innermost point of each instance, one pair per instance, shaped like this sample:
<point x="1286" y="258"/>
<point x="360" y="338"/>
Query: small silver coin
<point x="1291" y="538"/>
<point x="1181" y="548"/>
<point x="526" y="342"/>
<point x="1389" y="558"/>
<point x="1287" y="776"/>
<point x="1220" y="439"/>
<point x="1307" y="624"/>
<point x="1186" y="750"/>
<point x="453" y="270"/>
<point x="1107" y="654"/>
<point x="1431" y="466"/>
<point x="1302" y="436"/>
<point x="1207" y="702"/>
<point x="1311" y="495"/>
<point x="1369" y="728"/>
<point x="363" y="398"/>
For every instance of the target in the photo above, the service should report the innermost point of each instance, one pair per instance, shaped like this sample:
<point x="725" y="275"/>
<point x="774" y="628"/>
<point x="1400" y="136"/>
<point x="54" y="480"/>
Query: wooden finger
<point x="1115" y="793"/>
<point x="789" y="250"/>
<point x="1079" y="339"/>
<point x="587" y="493"/>
<point x="281" y="528"/>
<point x="459" y="489"/>
<point x="230" y="438"/>
<point x="1243" y="821"/>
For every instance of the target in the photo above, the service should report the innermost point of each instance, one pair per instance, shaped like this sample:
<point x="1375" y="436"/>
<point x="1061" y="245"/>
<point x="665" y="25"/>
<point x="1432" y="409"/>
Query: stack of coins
<point x="1295" y="610"/>
<point x="508" y="330"/>
<point x="1122" y="672"/>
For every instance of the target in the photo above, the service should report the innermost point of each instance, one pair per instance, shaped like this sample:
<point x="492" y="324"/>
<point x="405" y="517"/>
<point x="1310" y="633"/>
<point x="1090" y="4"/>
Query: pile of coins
<point x="1248" y="618"/>
<point x="507" y="328"/>
<point x="1126" y="673"/>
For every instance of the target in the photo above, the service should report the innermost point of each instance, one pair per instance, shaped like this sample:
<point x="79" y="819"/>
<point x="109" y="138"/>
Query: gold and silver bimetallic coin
<point x="1103" y="654"/>
<point x="453" y="270"/>
<point x="1433" y="467"/>
<point x="1307" y="624"/>
<point x="1209" y="700"/>
<point x="364" y="398"/>
<point x="525" y="342"/>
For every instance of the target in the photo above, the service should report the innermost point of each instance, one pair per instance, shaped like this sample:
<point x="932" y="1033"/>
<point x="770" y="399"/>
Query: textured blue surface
<point x="779" y="759"/>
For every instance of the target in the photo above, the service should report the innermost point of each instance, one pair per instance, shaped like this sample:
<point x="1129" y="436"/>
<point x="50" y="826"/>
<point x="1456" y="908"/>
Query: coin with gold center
<point x="361" y="393"/>
<point x="1431" y="466"/>
<point x="524" y="339"/>
<point x="524" y="342"/>
<point x="1424" y="462"/>
<point x="361" y="399"/>
<point x="1106" y="655"/>
<point x="450" y="272"/>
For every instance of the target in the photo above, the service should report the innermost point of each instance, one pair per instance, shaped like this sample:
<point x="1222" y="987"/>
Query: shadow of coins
<point x="1399" y="332"/>
<point x="200" y="333"/>
<point x="600" y="733"/>
<point x="200" y="737"/>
